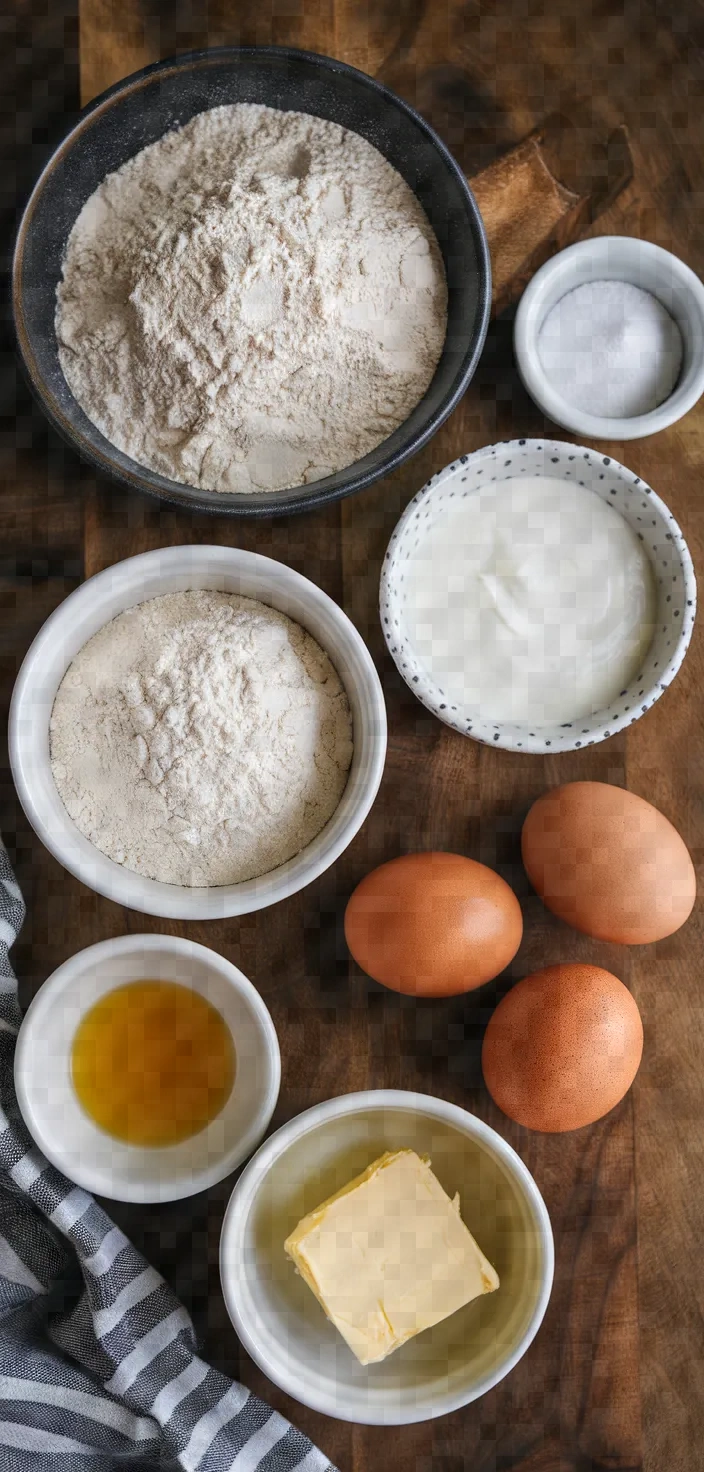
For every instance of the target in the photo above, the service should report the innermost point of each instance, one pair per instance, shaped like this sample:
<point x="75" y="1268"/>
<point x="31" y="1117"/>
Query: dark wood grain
<point x="41" y="514"/>
<point x="484" y="79"/>
<point x="529" y="209"/>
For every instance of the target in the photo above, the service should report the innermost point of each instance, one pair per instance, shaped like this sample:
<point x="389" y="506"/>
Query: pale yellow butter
<point x="389" y="1256"/>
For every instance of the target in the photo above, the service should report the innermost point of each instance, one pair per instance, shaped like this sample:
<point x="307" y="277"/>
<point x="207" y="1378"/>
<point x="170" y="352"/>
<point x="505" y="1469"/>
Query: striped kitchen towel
<point x="98" y="1362"/>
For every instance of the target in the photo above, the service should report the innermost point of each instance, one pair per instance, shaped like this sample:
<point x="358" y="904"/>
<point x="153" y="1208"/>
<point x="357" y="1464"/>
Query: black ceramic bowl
<point x="140" y="110"/>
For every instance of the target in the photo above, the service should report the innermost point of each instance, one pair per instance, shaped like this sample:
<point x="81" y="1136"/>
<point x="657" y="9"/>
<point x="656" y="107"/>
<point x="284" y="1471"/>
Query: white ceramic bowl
<point x="171" y="570"/>
<point x="653" y="523"/>
<point x="49" y="1103"/>
<point x="613" y="258"/>
<point x="283" y="1327"/>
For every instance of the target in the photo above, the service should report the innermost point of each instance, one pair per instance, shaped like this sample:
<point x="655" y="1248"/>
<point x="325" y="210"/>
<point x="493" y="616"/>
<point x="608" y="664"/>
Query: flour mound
<point x="252" y="302"/>
<point x="201" y="738"/>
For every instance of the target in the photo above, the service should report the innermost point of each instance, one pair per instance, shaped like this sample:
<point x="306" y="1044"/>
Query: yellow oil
<point x="153" y="1063"/>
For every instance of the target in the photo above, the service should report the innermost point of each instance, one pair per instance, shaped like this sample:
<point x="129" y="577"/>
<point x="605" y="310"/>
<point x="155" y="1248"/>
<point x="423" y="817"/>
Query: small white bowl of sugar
<point x="609" y="338"/>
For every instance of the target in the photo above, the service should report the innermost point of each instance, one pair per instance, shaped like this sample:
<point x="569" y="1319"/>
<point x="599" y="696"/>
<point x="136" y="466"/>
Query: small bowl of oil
<point x="147" y="1068"/>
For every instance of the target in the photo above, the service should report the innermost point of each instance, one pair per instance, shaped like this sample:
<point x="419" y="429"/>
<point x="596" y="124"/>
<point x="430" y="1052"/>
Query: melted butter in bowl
<point x="147" y="1068"/>
<point x="153" y="1063"/>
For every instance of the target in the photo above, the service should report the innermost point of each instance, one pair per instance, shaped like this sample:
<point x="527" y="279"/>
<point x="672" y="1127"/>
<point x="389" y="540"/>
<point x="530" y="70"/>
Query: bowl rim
<point x="484" y="732"/>
<point x="50" y="994"/>
<point x="363" y="1101"/>
<point x="124" y="886"/>
<point x="291" y="500"/>
<point x="526" y="326"/>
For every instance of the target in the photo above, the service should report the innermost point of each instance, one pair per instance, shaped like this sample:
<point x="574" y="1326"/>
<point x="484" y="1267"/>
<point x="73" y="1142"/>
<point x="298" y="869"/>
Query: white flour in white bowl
<point x="252" y="302"/>
<point x="201" y="738"/>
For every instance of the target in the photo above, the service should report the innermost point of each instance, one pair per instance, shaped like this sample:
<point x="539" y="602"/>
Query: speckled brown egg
<point x="562" y="1047"/>
<point x="608" y="863"/>
<point x="433" y="924"/>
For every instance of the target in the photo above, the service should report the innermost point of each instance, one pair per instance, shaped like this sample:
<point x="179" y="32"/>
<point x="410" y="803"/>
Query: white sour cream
<point x="531" y="600"/>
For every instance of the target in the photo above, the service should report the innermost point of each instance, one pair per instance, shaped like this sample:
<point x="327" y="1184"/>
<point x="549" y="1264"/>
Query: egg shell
<point x="608" y="863"/>
<point x="562" y="1047"/>
<point x="433" y="924"/>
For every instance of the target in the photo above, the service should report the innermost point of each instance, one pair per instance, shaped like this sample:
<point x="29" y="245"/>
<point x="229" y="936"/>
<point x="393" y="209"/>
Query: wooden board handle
<point x="543" y="194"/>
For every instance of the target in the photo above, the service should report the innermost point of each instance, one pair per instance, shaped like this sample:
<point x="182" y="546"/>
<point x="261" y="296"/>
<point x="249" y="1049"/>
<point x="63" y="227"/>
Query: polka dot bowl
<point x="640" y="507"/>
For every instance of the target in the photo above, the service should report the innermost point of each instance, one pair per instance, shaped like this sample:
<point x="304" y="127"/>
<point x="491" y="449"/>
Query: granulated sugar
<point x="611" y="349"/>
<point x="252" y="302"/>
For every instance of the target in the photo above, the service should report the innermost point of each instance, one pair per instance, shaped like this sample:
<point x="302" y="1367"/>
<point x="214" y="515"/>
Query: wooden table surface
<point x="615" y="1377"/>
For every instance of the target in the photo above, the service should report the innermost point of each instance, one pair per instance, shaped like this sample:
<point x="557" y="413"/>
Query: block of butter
<point x="389" y="1255"/>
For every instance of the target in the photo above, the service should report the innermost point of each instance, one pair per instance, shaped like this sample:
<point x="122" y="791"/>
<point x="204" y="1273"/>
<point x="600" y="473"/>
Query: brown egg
<point x="433" y="924"/>
<point x="608" y="863"/>
<point x="562" y="1047"/>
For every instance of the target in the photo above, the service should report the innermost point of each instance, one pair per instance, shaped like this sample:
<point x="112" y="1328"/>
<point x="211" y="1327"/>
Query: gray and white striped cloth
<point x="98" y="1362"/>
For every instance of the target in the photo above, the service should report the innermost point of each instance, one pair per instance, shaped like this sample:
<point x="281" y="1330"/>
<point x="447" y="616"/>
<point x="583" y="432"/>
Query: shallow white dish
<point x="283" y="1327"/>
<point x="613" y="258"/>
<point x="653" y="523"/>
<point x="101" y="598"/>
<point x="66" y="1134"/>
